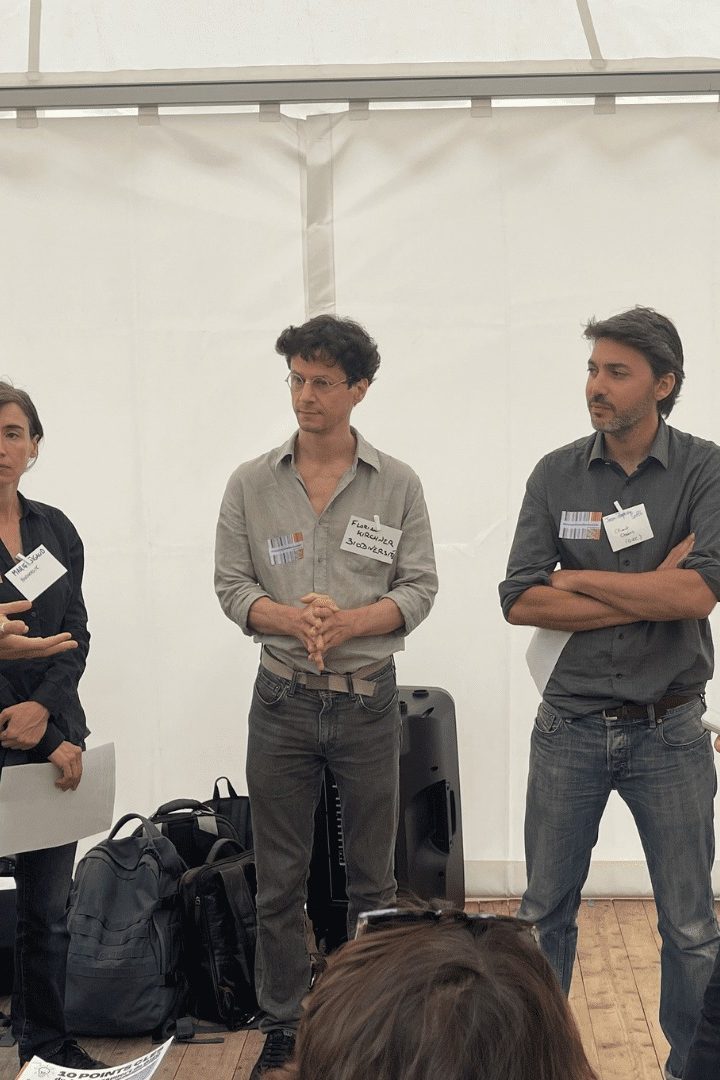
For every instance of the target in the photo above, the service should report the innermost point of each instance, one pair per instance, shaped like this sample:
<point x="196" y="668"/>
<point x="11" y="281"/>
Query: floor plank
<point x="624" y="1047"/>
<point x="249" y="1055"/>
<point x="579" y="1006"/>
<point x="644" y="956"/>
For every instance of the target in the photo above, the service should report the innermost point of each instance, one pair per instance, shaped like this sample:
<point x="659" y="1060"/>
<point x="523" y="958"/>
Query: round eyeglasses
<point x="320" y="384"/>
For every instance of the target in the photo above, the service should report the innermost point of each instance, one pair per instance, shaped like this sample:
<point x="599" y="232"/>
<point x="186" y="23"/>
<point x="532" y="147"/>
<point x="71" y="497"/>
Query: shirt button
<point x="621" y="636"/>
<point x="619" y="675"/>
<point x="626" y="562"/>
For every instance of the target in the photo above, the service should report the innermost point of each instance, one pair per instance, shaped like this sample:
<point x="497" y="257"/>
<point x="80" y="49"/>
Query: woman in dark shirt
<point x="41" y="719"/>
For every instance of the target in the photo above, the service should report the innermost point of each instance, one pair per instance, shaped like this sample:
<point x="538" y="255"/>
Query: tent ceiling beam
<point x="59" y="95"/>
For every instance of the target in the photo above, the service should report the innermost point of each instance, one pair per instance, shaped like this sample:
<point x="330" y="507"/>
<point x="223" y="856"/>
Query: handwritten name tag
<point x="628" y="527"/>
<point x="35" y="573"/>
<point x="371" y="539"/>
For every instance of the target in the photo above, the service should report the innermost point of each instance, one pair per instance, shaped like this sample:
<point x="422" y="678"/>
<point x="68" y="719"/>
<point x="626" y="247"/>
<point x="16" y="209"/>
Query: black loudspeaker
<point x="428" y="848"/>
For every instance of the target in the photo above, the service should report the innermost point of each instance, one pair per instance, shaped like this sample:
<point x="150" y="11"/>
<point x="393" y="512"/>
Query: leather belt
<point x="631" y="711"/>
<point x="355" y="682"/>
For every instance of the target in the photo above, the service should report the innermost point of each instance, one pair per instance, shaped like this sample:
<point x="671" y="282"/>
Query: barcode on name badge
<point x="287" y="548"/>
<point x="580" y="524"/>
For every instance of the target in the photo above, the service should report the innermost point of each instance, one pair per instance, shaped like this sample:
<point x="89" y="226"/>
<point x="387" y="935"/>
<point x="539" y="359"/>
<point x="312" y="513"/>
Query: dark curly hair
<point x="332" y="340"/>
<point x="653" y="335"/>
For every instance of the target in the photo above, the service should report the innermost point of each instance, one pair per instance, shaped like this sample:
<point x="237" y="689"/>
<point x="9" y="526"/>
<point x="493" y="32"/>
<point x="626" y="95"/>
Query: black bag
<point x="193" y="828"/>
<point x="236" y="808"/>
<point x="218" y="901"/>
<point x="124" y="968"/>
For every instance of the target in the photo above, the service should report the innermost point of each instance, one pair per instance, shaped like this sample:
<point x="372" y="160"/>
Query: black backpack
<point x="219" y="922"/>
<point x="193" y="828"/>
<point x="124" y="971"/>
<point x="236" y="808"/>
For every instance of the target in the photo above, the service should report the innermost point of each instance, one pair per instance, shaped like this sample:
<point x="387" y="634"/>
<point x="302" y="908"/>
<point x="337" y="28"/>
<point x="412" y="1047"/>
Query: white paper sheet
<point x="141" y="1068"/>
<point x="35" y="814"/>
<point x="543" y="653"/>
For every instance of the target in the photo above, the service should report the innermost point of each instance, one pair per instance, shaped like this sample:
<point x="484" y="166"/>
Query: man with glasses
<point x="632" y="516"/>
<point x="324" y="553"/>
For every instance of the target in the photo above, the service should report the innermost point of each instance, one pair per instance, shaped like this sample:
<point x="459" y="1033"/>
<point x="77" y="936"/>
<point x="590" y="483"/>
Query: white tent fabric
<point x="101" y="38"/>
<point x="147" y="272"/>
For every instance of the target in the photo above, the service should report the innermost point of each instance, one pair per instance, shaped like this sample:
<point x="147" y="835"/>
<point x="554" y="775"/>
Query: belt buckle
<point x="617" y="715"/>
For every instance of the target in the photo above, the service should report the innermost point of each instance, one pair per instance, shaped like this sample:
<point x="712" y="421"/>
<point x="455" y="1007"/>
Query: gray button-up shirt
<point x="679" y="483"/>
<point x="271" y="542"/>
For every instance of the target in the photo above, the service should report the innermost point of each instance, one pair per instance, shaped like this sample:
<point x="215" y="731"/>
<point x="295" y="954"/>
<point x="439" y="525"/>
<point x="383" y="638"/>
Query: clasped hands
<point x="322" y="625"/>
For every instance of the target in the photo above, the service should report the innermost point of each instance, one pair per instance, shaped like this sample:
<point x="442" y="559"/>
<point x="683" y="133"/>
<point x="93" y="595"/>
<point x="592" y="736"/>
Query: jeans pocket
<point x="384" y="699"/>
<point x="547" y="721"/>
<point x="682" y="728"/>
<point x="270" y="690"/>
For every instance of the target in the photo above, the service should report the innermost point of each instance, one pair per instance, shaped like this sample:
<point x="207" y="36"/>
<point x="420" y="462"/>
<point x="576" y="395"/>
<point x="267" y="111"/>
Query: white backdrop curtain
<point x="147" y="270"/>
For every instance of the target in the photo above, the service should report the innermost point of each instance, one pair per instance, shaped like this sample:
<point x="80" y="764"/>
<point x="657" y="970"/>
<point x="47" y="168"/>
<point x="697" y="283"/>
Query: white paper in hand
<point x="34" y="814"/>
<point x="543" y="653"/>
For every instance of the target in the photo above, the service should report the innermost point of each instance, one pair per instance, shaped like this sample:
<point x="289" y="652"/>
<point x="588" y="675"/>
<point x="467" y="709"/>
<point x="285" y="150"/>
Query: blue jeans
<point x="43" y="882"/>
<point x="665" y="773"/>
<point x="703" y="1061"/>
<point x="293" y="734"/>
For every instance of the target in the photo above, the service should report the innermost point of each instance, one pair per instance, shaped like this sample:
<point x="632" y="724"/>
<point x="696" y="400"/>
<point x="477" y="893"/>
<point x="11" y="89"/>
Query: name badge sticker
<point x="580" y="524"/>
<point x="371" y="539"/>
<point x="627" y="527"/>
<point x="286" y="549"/>
<point x="35" y="572"/>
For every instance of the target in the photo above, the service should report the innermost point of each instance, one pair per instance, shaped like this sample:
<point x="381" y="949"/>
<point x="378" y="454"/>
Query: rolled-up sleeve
<point x="236" y="581"/>
<point x="534" y="553"/>
<point x="705" y="523"/>
<point x="415" y="583"/>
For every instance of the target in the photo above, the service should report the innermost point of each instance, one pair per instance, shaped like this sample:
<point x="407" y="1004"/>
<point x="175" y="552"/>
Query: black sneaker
<point x="278" y="1049"/>
<point x="72" y="1056"/>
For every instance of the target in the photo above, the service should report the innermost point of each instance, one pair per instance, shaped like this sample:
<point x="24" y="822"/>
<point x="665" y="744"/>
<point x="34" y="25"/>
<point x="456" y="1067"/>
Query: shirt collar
<point x="27" y="506"/>
<point x="363" y="452"/>
<point x="659" y="450"/>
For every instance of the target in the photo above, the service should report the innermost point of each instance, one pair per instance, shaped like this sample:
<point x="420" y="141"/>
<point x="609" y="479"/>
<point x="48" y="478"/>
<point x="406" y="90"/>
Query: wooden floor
<point x="614" y="997"/>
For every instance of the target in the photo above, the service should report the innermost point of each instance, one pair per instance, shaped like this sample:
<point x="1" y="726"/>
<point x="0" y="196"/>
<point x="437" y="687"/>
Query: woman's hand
<point x="22" y="726"/>
<point x="68" y="758"/>
<point x="13" y="646"/>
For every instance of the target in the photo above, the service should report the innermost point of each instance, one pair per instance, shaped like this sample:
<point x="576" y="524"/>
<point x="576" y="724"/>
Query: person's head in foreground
<point x="438" y="997"/>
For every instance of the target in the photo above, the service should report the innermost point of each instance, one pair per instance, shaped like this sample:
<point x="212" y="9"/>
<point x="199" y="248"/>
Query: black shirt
<point x="52" y="682"/>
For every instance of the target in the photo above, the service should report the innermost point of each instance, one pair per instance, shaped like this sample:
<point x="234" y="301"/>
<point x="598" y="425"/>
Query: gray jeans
<point x="293" y="734"/>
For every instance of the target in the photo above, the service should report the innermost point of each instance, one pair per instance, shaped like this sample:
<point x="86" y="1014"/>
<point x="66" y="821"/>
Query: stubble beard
<point x="619" y="422"/>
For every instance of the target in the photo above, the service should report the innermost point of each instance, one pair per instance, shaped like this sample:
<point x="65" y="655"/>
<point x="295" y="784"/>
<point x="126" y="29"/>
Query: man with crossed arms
<point x="324" y="554"/>
<point x="632" y="515"/>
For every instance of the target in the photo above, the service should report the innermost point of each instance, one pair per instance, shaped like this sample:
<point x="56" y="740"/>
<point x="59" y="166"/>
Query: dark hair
<point x="333" y="341"/>
<point x="9" y="395"/>
<point x="653" y="335"/>
<point x="434" y="1000"/>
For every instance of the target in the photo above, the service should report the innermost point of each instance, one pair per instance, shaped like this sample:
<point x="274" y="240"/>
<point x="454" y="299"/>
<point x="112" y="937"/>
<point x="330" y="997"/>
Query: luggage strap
<point x="186" y="1030"/>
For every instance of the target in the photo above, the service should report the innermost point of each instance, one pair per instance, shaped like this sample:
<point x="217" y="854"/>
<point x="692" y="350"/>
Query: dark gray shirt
<point x="679" y="483"/>
<point x="271" y="542"/>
